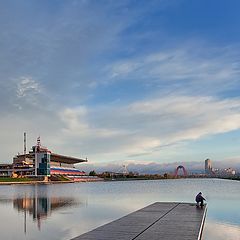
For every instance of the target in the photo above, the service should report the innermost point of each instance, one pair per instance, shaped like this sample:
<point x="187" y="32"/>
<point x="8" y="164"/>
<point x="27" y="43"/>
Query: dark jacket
<point x="199" y="198"/>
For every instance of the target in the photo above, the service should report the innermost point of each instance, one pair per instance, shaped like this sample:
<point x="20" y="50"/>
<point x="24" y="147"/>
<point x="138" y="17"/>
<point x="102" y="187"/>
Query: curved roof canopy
<point x="65" y="159"/>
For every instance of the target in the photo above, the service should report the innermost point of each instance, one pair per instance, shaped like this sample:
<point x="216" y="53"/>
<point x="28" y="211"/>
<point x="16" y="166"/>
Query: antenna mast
<point x="25" y="143"/>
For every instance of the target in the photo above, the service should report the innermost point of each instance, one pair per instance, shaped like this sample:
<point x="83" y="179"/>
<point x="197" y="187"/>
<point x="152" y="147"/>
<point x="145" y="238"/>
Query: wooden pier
<point x="158" y="221"/>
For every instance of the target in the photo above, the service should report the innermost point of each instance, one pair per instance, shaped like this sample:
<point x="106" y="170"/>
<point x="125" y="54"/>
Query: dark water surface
<point x="63" y="211"/>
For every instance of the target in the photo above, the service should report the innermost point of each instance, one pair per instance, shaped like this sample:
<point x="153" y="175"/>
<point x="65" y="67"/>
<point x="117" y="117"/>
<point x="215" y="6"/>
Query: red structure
<point x="183" y="169"/>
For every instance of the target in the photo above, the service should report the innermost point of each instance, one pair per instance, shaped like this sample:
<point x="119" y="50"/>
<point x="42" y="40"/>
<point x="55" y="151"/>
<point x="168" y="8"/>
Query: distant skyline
<point x="114" y="81"/>
<point x="158" y="168"/>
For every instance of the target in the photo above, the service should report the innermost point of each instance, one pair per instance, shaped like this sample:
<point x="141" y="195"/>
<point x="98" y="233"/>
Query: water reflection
<point x="64" y="211"/>
<point x="41" y="207"/>
<point x="39" y="204"/>
<point x="221" y="231"/>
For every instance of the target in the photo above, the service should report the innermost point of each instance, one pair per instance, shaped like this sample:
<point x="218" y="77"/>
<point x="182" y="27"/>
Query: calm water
<point x="63" y="211"/>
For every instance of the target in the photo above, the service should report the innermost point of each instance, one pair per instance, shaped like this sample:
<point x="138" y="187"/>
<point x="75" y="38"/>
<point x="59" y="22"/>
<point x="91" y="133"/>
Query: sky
<point x="114" y="81"/>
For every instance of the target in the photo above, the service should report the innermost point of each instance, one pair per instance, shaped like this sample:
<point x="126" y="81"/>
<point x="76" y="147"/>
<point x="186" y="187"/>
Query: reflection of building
<point x="40" y="205"/>
<point x="41" y="162"/>
<point x="208" y="166"/>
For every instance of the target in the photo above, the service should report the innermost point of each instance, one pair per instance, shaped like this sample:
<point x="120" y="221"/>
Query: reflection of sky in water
<point x="221" y="231"/>
<point x="63" y="211"/>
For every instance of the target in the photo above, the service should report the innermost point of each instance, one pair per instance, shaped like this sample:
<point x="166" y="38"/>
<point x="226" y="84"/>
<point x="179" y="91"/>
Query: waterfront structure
<point x="41" y="162"/>
<point x="6" y="170"/>
<point x="157" y="221"/>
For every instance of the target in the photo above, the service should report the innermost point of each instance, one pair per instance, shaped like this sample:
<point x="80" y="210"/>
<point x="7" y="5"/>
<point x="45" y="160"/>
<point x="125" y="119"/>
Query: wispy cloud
<point x="148" y="129"/>
<point x="191" y="67"/>
<point x="145" y="127"/>
<point x="27" y="86"/>
<point x="99" y="80"/>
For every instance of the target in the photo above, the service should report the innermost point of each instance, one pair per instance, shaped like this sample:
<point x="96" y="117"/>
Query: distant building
<point x="208" y="166"/>
<point x="230" y="171"/>
<point x="6" y="170"/>
<point x="227" y="172"/>
<point x="41" y="162"/>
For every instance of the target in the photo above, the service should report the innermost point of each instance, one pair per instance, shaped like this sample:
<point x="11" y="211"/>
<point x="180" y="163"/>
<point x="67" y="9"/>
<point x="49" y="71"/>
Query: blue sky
<point x="145" y="81"/>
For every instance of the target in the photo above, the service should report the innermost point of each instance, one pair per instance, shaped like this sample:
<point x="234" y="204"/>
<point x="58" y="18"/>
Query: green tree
<point x="92" y="173"/>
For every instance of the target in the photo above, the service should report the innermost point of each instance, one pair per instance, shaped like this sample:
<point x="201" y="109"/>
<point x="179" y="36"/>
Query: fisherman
<point x="199" y="199"/>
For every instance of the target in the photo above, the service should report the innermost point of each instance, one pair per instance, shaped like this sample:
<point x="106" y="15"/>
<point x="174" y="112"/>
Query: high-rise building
<point x="208" y="166"/>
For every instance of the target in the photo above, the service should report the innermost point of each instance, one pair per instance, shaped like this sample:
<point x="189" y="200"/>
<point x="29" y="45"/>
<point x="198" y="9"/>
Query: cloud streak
<point x="192" y="67"/>
<point x="108" y="81"/>
<point x="144" y="127"/>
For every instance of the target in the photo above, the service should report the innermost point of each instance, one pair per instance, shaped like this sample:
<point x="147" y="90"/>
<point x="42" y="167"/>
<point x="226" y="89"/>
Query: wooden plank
<point x="183" y="222"/>
<point x="165" y="221"/>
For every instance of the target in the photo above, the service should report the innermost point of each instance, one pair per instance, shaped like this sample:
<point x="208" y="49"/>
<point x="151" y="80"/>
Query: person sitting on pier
<point x="199" y="199"/>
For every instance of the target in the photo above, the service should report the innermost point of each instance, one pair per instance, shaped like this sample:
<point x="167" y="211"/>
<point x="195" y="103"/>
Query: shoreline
<point x="103" y="180"/>
<point x="33" y="182"/>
